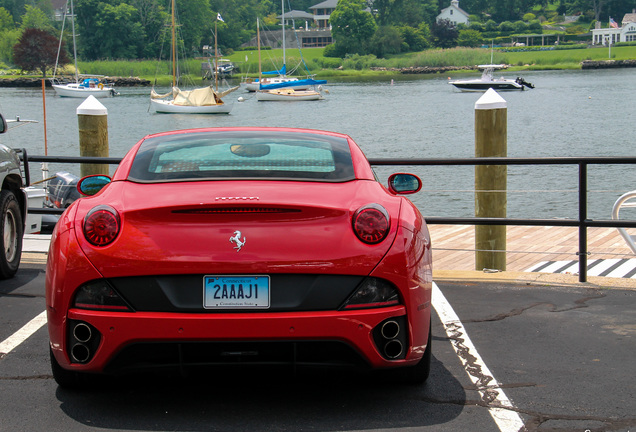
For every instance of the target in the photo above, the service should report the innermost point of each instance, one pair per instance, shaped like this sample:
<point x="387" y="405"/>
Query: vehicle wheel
<point x="11" y="230"/>
<point x="66" y="378"/>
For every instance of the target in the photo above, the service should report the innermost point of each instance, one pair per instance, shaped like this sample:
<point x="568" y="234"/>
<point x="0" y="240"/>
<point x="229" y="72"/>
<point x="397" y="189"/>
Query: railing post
<point x="92" y="119"/>
<point x="491" y="117"/>
<point x="582" y="222"/>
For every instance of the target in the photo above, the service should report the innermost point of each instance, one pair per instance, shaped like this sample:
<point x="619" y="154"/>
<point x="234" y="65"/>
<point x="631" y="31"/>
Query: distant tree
<point x="397" y="12"/>
<point x="425" y="31"/>
<point x="35" y="18"/>
<point x="444" y="34"/>
<point x="8" y="39"/>
<point x="477" y="26"/>
<point x="491" y="26"/>
<point x="114" y="32"/>
<point x="386" y="40"/>
<point x="520" y="27"/>
<point x="414" y="39"/>
<point x="469" y="38"/>
<point x="535" y="27"/>
<point x="506" y="27"/>
<point x="529" y="17"/>
<point x="352" y="27"/>
<point x="37" y="50"/>
<point x="6" y="20"/>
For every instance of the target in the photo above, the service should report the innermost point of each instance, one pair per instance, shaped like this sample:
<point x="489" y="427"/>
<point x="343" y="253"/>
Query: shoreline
<point x="411" y="70"/>
<point x="37" y="82"/>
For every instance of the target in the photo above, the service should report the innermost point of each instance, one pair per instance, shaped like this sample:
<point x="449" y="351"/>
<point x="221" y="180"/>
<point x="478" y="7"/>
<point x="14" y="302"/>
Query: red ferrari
<point x="244" y="247"/>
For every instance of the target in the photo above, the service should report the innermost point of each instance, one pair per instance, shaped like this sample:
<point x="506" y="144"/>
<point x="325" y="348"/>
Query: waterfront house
<point x="613" y="34"/>
<point x="322" y="11"/>
<point x="454" y="14"/>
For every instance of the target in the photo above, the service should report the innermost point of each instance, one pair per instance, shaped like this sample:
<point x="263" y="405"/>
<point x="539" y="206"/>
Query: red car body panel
<point x="163" y="232"/>
<point x="189" y="242"/>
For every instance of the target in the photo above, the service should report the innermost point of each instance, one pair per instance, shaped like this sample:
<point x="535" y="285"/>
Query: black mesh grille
<point x="180" y="356"/>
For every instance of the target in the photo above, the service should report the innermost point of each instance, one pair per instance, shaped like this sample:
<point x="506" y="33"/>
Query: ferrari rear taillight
<point x="371" y="223"/>
<point x="373" y="293"/>
<point x="99" y="295"/>
<point x="101" y="225"/>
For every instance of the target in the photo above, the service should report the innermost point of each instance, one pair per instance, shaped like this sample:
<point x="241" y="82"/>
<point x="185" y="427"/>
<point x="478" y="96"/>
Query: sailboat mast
<point x="74" y="45"/>
<point x="216" y="57"/>
<point x="258" y="42"/>
<point x="174" y="49"/>
<point x="282" y="7"/>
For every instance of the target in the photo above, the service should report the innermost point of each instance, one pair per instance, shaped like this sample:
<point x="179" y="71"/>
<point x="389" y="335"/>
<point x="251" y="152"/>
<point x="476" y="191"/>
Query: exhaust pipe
<point x="393" y="349"/>
<point x="82" y="332"/>
<point x="80" y="353"/>
<point x="390" y="329"/>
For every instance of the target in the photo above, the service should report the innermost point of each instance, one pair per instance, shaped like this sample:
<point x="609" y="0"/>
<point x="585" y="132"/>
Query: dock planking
<point x="527" y="246"/>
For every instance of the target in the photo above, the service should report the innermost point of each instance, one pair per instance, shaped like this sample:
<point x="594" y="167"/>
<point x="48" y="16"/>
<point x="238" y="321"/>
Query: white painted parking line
<point x="9" y="344"/>
<point x="619" y="268"/>
<point x="499" y="406"/>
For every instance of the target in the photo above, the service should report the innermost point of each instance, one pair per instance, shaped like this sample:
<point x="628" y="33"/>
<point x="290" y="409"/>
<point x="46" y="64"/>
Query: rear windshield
<point x="243" y="155"/>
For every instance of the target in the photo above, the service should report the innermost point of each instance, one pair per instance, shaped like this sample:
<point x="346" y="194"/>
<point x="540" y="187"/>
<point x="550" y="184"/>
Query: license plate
<point x="235" y="292"/>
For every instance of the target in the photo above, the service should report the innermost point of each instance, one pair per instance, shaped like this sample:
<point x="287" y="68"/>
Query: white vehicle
<point x="13" y="208"/>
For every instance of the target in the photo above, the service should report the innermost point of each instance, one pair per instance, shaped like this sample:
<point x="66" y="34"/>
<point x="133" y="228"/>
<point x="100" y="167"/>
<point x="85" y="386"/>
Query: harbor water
<point x="569" y="113"/>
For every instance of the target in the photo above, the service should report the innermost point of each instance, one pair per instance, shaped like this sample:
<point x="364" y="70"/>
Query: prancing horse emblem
<point x="236" y="239"/>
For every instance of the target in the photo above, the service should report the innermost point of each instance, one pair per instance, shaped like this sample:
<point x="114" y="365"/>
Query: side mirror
<point x="3" y="124"/>
<point x="90" y="185"/>
<point x="404" y="184"/>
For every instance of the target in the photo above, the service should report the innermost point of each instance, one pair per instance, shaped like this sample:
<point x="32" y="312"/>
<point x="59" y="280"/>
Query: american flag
<point x="613" y="23"/>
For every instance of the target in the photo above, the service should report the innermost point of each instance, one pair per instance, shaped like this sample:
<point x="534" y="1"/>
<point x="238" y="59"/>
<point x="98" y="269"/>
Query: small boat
<point x="81" y="88"/>
<point x="487" y="81"/>
<point x="284" y="88"/>
<point x="287" y="91"/>
<point x="203" y="100"/>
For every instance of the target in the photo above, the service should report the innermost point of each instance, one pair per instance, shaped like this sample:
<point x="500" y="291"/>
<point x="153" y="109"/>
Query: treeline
<point x="138" y="29"/>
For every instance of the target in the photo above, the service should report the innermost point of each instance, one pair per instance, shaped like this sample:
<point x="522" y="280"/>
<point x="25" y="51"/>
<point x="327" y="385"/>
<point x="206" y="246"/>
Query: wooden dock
<point x="454" y="246"/>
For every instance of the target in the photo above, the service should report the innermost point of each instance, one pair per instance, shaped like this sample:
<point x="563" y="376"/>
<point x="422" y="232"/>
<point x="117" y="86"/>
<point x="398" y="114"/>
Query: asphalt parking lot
<point x="507" y="356"/>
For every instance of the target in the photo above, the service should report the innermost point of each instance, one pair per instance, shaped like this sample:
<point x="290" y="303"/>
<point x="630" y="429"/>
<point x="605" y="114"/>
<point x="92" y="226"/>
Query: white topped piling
<point x="491" y="118"/>
<point x="92" y="118"/>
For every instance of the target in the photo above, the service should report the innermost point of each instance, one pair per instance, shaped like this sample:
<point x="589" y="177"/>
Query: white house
<point x="454" y="14"/>
<point x="625" y="33"/>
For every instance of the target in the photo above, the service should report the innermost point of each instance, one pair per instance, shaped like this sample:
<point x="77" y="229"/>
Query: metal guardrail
<point x="582" y="222"/>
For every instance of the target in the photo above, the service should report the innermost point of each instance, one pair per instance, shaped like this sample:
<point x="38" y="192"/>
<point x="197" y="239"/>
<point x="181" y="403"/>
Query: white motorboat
<point x="487" y="81"/>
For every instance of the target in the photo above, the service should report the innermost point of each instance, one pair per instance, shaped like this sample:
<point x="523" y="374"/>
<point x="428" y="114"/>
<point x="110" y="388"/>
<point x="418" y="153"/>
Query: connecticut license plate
<point x="235" y="292"/>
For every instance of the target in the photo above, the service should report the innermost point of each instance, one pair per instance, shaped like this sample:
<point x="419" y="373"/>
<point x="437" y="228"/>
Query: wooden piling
<point x="491" y="116"/>
<point x="92" y="119"/>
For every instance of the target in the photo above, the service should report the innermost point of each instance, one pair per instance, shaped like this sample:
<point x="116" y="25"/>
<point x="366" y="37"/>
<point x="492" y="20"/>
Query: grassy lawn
<point x="358" y="66"/>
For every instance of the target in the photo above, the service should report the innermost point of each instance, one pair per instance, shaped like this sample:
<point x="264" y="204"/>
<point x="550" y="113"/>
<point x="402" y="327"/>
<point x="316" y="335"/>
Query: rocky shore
<point x="607" y="64"/>
<point x="424" y="69"/>
<point x="37" y="82"/>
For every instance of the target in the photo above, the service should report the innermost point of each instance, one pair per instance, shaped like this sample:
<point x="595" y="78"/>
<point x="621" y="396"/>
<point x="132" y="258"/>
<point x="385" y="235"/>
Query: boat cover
<point x="282" y="71"/>
<point x="205" y="96"/>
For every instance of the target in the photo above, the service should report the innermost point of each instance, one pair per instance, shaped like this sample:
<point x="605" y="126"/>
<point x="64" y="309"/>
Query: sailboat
<point x="203" y="100"/>
<point x="286" y="88"/>
<point x="87" y="86"/>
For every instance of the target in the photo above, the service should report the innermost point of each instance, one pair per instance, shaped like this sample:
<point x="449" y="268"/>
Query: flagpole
<point x="216" y="57"/>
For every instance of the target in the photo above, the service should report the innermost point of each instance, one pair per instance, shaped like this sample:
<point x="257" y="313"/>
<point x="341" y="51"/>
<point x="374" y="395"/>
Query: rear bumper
<point x="119" y="334"/>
